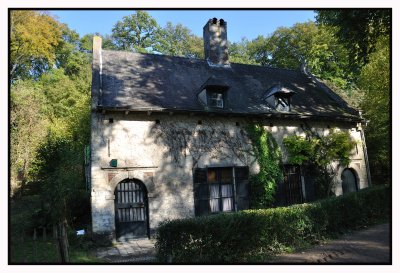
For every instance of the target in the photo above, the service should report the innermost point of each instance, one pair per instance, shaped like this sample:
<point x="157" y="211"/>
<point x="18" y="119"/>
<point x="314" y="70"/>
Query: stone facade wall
<point x="281" y="129"/>
<point x="154" y="153"/>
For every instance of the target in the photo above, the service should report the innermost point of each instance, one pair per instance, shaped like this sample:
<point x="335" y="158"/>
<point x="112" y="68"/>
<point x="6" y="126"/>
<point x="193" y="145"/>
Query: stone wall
<point x="161" y="150"/>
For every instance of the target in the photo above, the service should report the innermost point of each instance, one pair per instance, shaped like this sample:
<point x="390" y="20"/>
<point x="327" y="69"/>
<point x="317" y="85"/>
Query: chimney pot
<point x="214" y="20"/>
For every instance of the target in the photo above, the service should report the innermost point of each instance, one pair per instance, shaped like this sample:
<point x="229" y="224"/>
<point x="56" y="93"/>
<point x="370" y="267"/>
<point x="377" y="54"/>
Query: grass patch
<point x="83" y="256"/>
<point x="31" y="252"/>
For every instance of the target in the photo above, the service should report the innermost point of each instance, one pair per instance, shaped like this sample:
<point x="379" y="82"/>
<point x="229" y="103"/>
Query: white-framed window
<point x="216" y="99"/>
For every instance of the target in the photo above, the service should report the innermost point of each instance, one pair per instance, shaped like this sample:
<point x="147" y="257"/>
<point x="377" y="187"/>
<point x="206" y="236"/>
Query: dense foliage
<point x="317" y="153"/>
<point x="375" y="82"/>
<point x="366" y="34"/>
<point x="249" y="236"/>
<point x="177" y="40"/>
<point x="135" y="32"/>
<point x="50" y="125"/>
<point x="358" y="29"/>
<point x="35" y="37"/>
<point x="269" y="159"/>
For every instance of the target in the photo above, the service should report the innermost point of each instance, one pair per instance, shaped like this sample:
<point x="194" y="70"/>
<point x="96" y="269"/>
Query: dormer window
<point x="216" y="99"/>
<point x="279" y="98"/>
<point x="213" y="94"/>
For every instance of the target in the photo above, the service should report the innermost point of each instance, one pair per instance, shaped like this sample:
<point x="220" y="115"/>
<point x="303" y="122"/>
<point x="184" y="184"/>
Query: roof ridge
<point x="156" y="54"/>
<point x="202" y="60"/>
<point x="270" y="67"/>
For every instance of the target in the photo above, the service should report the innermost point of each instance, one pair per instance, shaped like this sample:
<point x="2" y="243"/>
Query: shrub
<point x="241" y="236"/>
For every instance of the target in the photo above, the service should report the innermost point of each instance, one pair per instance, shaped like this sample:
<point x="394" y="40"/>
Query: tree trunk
<point x="63" y="243"/>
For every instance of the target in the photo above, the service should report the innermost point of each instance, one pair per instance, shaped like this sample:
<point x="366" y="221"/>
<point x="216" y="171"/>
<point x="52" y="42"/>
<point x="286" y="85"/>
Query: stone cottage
<point x="168" y="138"/>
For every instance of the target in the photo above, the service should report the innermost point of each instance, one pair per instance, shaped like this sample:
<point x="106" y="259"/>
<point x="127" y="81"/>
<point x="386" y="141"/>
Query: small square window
<point x="282" y="103"/>
<point x="216" y="99"/>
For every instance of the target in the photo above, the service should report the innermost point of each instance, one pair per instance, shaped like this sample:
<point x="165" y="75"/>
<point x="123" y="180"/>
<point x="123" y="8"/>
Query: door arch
<point x="349" y="181"/>
<point x="131" y="210"/>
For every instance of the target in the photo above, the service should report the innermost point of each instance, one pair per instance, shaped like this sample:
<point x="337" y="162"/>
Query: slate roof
<point x="138" y="81"/>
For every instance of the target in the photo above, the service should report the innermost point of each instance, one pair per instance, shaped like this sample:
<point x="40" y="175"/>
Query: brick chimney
<point x="216" y="42"/>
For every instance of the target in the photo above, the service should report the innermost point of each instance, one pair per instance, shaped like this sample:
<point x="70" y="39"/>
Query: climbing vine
<point x="269" y="158"/>
<point x="317" y="153"/>
<point x="214" y="139"/>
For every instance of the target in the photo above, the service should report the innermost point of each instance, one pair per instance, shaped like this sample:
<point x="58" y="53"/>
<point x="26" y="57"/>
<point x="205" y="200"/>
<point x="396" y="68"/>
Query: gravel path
<point x="370" y="246"/>
<point x="140" y="251"/>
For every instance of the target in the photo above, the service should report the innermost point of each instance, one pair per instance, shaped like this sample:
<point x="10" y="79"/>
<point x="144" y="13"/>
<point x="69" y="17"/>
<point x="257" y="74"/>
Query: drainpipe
<point x="360" y="129"/>
<point x="234" y="189"/>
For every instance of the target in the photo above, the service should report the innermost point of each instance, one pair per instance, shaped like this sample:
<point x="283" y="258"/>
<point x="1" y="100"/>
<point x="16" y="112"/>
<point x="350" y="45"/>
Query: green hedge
<point x="245" y="235"/>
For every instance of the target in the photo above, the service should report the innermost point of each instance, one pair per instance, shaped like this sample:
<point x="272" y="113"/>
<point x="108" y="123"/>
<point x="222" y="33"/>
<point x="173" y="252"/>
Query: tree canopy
<point x="135" y="32"/>
<point x="366" y="34"/>
<point x="33" y="43"/>
<point x="178" y="40"/>
<point x="50" y="77"/>
<point x="358" y="29"/>
<point x="374" y="80"/>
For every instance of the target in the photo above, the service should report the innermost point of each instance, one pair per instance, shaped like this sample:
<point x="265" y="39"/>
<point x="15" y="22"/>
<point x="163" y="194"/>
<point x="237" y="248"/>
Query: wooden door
<point x="292" y="181"/>
<point x="131" y="210"/>
<point x="349" y="181"/>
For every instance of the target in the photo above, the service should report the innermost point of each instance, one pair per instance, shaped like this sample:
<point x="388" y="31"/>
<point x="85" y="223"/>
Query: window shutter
<point x="242" y="187"/>
<point x="200" y="175"/>
<point x="200" y="190"/>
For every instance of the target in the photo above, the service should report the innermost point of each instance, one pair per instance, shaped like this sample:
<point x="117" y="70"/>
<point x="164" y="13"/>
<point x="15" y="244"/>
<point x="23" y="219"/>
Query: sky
<point x="241" y="23"/>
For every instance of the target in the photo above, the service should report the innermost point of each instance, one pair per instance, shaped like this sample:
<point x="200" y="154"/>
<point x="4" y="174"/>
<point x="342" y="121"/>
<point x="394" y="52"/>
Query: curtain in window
<point x="214" y="198"/>
<point x="227" y="200"/>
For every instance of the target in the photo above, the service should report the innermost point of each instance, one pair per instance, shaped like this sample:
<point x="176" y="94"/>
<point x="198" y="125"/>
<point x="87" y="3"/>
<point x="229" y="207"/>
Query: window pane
<point x="212" y="175"/>
<point x="216" y="99"/>
<point x="214" y="191"/>
<point x="226" y="175"/>
<point x="226" y="190"/>
<point x="214" y="205"/>
<point x="227" y="204"/>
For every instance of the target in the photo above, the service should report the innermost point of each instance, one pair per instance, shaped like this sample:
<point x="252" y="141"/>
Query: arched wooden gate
<point x="349" y="181"/>
<point x="131" y="210"/>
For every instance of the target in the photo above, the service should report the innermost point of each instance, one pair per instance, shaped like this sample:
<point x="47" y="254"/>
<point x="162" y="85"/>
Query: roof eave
<point x="287" y="116"/>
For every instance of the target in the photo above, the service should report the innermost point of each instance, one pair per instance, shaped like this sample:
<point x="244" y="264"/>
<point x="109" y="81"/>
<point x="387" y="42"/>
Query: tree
<point x="239" y="52"/>
<point x="178" y="40"/>
<point x="173" y="40"/>
<point x="33" y="42"/>
<point x="358" y="29"/>
<point x="304" y="42"/>
<point x="50" y="117"/>
<point x="374" y="80"/>
<point x="27" y="130"/>
<point x="135" y="32"/>
<point x="196" y="47"/>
